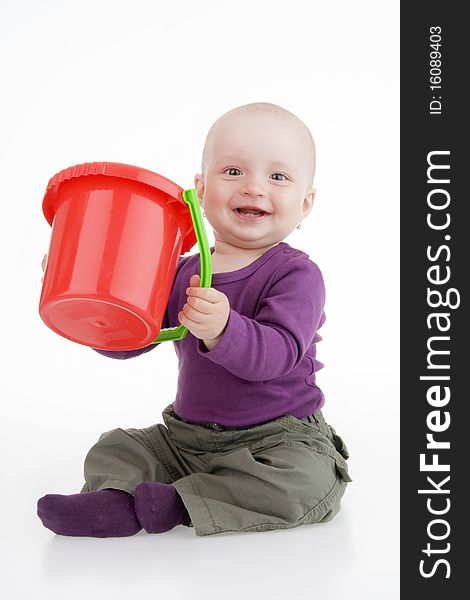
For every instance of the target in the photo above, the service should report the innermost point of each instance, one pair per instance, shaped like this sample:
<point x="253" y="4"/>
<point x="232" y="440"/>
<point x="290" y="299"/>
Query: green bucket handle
<point x="171" y="334"/>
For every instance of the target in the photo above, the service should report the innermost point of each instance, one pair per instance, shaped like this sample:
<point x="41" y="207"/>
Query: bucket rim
<point x="118" y="170"/>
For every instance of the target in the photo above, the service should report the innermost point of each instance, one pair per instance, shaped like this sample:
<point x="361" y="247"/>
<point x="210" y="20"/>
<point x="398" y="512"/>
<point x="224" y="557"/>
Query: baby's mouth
<point x="251" y="213"/>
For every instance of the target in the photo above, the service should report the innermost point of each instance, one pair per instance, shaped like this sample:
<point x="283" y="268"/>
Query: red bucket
<point x="117" y="234"/>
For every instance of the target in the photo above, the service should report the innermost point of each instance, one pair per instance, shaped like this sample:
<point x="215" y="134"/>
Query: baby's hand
<point x="206" y="313"/>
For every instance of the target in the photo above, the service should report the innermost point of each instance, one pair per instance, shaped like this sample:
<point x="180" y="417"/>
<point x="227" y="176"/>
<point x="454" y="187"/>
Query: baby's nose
<point x="253" y="186"/>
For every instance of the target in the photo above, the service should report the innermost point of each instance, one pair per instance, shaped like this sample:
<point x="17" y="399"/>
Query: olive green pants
<point x="280" y="474"/>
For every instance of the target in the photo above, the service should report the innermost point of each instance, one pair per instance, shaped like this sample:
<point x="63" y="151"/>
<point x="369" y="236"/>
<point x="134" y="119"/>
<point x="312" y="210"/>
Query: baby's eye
<point x="282" y="175"/>
<point x="232" y="169"/>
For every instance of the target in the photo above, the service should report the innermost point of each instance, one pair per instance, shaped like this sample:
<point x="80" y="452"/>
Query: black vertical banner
<point x="435" y="268"/>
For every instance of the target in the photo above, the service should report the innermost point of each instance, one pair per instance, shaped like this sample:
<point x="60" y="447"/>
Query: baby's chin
<point x="248" y="240"/>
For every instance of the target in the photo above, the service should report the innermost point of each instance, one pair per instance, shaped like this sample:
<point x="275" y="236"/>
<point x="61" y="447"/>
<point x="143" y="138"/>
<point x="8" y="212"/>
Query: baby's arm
<point x="274" y="342"/>
<point x="125" y="354"/>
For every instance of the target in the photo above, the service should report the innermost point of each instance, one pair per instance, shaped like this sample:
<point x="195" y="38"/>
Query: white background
<point x="141" y="82"/>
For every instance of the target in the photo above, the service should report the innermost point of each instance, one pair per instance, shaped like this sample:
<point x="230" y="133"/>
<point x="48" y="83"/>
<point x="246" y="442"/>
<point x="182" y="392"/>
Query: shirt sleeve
<point x="125" y="354"/>
<point x="275" y="341"/>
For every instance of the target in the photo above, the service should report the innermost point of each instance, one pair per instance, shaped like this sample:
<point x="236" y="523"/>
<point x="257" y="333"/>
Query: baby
<point x="244" y="446"/>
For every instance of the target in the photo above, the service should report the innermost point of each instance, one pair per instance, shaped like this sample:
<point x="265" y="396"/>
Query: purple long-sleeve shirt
<point x="265" y="362"/>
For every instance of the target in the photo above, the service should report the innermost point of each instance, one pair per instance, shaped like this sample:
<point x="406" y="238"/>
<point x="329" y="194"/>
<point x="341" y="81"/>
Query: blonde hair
<point x="263" y="108"/>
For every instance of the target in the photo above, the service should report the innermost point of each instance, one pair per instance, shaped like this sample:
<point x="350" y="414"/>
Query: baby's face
<point x="256" y="163"/>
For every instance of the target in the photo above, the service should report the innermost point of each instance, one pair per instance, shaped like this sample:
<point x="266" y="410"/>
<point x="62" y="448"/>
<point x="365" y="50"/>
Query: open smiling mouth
<point x="250" y="214"/>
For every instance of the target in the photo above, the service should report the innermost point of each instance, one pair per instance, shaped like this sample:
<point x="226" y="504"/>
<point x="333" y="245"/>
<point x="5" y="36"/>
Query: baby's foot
<point x="159" y="507"/>
<point x="105" y="513"/>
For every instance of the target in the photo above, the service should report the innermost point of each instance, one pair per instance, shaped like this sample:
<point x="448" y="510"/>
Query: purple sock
<point x="105" y="513"/>
<point x="159" y="507"/>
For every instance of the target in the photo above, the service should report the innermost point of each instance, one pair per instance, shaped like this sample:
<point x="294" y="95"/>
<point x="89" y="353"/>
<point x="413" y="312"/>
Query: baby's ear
<point x="309" y="200"/>
<point x="199" y="185"/>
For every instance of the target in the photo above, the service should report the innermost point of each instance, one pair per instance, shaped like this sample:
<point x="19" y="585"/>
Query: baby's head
<point x="257" y="156"/>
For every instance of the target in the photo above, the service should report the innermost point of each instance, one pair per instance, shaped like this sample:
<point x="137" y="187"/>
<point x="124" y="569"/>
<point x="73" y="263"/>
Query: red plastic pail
<point x="117" y="234"/>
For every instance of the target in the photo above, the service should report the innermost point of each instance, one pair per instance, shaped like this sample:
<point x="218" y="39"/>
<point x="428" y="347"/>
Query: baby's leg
<point x="273" y="487"/>
<point x="114" y="466"/>
<point x="159" y="507"/>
